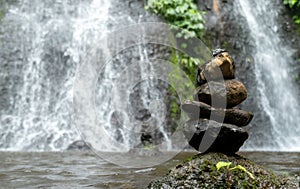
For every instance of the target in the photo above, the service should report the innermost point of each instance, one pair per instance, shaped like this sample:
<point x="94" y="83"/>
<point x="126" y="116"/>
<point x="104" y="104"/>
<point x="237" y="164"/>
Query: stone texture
<point x="200" y="172"/>
<point x="79" y="145"/>
<point x="234" y="94"/>
<point x="218" y="137"/>
<point x="196" y="110"/>
<point x="220" y="67"/>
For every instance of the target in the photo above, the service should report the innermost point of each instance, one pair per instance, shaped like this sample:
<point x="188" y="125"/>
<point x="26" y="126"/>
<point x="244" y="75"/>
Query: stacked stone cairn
<point x="215" y="123"/>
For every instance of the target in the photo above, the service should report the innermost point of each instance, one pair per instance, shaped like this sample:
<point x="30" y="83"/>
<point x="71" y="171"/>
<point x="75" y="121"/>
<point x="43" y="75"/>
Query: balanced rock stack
<point x="215" y="125"/>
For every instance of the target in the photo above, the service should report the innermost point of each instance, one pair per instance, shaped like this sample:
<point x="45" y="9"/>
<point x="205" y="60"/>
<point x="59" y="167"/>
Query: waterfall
<point x="277" y="94"/>
<point x="42" y="45"/>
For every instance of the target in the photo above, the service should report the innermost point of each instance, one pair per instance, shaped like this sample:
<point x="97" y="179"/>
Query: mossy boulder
<point x="200" y="171"/>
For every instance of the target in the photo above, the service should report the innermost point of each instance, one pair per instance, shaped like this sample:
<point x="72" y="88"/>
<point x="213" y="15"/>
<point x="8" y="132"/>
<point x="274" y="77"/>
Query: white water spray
<point x="42" y="43"/>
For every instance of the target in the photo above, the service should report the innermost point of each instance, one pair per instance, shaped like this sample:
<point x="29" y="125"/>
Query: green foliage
<point x="294" y="5"/>
<point x="186" y="63"/>
<point x="239" y="167"/>
<point x="183" y="14"/>
<point x="221" y="164"/>
<point x="180" y="13"/>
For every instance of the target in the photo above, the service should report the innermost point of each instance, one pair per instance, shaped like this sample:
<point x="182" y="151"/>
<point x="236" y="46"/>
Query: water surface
<point x="87" y="170"/>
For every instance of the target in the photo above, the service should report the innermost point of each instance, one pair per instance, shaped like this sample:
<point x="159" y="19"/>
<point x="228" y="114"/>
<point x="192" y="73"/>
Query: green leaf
<point x="294" y="2"/>
<point x="223" y="164"/>
<point x="243" y="169"/>
<point x="170" y="11"/>
<point x="192" y="11"/>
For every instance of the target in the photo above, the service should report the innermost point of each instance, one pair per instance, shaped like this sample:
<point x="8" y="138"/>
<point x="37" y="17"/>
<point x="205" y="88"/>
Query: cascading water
<point x="36" y="75"/>
<point x="39" y="55"/>
<point x="277" y="92"/>
<point x="42" y="44"/>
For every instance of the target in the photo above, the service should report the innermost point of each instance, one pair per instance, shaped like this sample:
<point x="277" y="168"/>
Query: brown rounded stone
<point x="228" y="94"/>
<point x="220" y="67"/>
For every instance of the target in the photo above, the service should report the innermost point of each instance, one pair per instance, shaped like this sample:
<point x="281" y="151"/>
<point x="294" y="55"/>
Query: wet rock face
<point x="214" y="137"/>
<point x="235" y="93"/>
<point x="79" y="145"/>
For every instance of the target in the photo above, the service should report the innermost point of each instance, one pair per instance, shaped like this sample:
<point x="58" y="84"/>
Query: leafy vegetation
<point x="294" y="5"/>
<point x="183" y="14"/>
<point x="185" y="17"/>
<point x="180" y="13"/>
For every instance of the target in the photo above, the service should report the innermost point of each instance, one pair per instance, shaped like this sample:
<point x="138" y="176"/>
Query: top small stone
<point x="221" y="66"/>
<point x="217" y="52"/>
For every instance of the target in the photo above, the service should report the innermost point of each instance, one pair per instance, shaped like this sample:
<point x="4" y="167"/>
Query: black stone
<point x="79" y="145"/>
<point x="217" y="137"/>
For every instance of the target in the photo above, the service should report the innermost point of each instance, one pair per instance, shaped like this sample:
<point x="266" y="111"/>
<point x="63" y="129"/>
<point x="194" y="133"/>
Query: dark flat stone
<point x="210" y="136"/>
<point x="196" y="110"/>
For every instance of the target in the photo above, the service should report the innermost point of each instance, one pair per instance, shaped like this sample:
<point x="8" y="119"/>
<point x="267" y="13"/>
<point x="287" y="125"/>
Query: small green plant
<point x="221" y="164"/>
